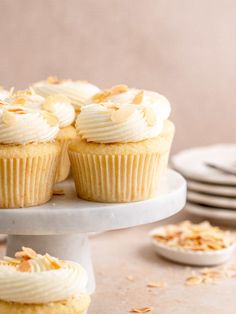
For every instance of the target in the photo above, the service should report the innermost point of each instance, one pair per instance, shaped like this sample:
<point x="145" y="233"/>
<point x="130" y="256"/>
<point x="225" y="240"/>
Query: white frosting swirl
<point x="77" y="91"/>
<point x="62" y="108"/>
<point x="41" y="284"/>
<point x="122" y="120"/>
<point x="21" y="125"/>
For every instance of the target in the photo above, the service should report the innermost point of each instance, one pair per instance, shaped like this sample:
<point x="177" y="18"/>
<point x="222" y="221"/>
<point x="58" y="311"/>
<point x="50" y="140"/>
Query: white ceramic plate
<point x="221" y="215"/>
<point x="214" y="189"/>
<point x="211" y="200"/>
<point x="191" y="163"/>
<point x="190" y="257"/>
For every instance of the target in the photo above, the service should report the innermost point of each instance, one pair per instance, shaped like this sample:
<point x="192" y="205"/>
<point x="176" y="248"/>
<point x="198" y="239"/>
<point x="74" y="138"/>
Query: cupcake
<point x="77" y="91"/>
<point x="123" y="146"/>
<point x="33" y="283"/>
<point x="28" y="156"/>
<point x="61" y="107"/>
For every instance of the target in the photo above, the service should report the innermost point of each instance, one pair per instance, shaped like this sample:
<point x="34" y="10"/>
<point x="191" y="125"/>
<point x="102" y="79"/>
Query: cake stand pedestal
<point x="61" y="227"/>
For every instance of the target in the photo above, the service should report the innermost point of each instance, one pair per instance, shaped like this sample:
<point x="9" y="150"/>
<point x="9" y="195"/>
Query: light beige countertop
<point x="125" y="263"/>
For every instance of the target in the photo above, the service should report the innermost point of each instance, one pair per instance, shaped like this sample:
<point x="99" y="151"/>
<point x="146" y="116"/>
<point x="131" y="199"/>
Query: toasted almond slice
<point x="55" y="262"/>
<point x="26" y="253"/>
<point x="138" y="98"/>
<point x="53" y="80"/>
<point x="11" y="260"/>
<point x="118" y="89"/>
<point x="8" y="118"/>
<point x="59" y="192"/>
<point x="160" y="284"/>
<point x="21" y="100"/>
<point x="193" y="280"/>
<point x="145" y="309"/>
<point x="130" y="277"/>
<point x="24" y="267"/>
<point x="50" y="118"/>
<point x="50" y="101"/>
<point x="150" y="116"/>
<point x="122" y="114"/>
<point x="101" y="96"/>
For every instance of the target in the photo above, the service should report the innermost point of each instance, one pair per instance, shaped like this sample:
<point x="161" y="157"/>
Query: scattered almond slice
<point x="8" y="118"/>
<point x="50" y="118"/>
<point x="138" y="98"/>
<point x="160" y="284"/>
<point x="145" y="309"/>
<point x="130" y="277"/>
<point x="193" y="280"/>
<point x="11" y="260"/>
<point x="101" y="96"/>
<point x="55" y="263"/>
<point x="118" y="89"/>
<point x="150" y="116"/>
<point x="24" y="267"/>
<point x="53" y="80"/>
<point x="50" y="101"/>
<point x="122" y="115"/>
<point x="59" y="192"/>
<point x="26" y="253"/>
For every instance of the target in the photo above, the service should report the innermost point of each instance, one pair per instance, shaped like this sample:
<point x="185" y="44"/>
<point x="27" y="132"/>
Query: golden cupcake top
<point x="77" y="91"/>
<point x="193" y="237"/>
<point x="37" y="279"/>
<point x="123" y="115"/>
<point x="21" y="125"/>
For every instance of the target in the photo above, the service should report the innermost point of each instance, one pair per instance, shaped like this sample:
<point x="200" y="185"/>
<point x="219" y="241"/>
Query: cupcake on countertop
<point x="125" y="140"/>
<point x="28" y="156"/>
<point x="77" y="91"/>
<point x="61" y="107"/>
<point x="33" y="283"/>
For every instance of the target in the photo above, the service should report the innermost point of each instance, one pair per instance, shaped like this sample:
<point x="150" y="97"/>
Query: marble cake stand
<point x="61" y="227"/>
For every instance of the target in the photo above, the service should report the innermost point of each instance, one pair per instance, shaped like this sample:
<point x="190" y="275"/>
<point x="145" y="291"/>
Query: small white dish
<point x="211" y="200"/>
<point x="192" y="163"/>
<point x="194" y="258"/>
<point x="214" y="189"/>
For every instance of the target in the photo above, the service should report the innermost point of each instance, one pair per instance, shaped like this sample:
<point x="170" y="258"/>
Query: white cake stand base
<point x="61" y="227"/>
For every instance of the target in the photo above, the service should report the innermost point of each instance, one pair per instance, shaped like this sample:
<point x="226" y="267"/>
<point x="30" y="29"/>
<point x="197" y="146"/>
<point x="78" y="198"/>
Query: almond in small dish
<point x="195" y="244"/>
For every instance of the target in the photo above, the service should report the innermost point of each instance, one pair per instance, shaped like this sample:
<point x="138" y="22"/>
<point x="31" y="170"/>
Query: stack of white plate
<point x="211" y="176"/>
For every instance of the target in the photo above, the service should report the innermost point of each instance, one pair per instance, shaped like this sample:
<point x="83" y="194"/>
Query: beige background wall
<point x="185" y="49"/>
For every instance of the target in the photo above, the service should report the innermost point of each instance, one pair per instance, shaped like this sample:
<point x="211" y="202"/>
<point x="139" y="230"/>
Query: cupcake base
<point x="120" y="172"/>
<point x="27" y="174"/>
<point x="73" y="306"/>
<point x="64" y="138"/>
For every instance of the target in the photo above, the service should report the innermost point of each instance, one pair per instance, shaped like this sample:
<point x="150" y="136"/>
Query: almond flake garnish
<point x="118" y="89"/>
<point x="130" y="277"/>
<point x="193" y="280"/>
<point x="11" y="260"/>
<point x="145" y="309"/>
<point x="122" y="115"/>
<point x="55" y="263"/>
<point x="50" y="118"/>
<point x="26" y="253"/>
<point x="160" y="284"/>
<point x="53" y="80"/>
<point x="150" y="116"/>
<point x="50" y="101"/>
<point x="194" y="237"/>
<point x="59" y="192"/>
<point x="101" y="96"/>
<point x="138" y="98"/>
<point x="8" y="118"/>
<point x="24" y="267"/>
